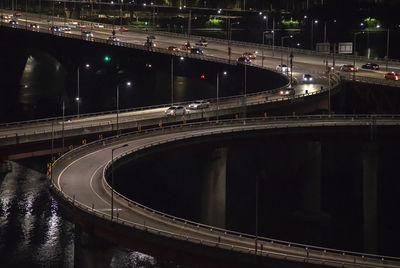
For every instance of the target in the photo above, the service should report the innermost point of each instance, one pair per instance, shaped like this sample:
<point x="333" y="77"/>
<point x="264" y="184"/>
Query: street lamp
<point x="78" y="99"/>
<point x="112" y="178"/>
<point x="282" y="38"/>
<point x="230" y="38"/>
<point x="224" y="73"/>
<point x="127" y="84"/>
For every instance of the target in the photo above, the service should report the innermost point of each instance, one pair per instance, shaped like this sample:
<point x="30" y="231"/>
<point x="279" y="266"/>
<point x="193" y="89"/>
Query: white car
<point x="87" y="34"/>
<point x="307" y="78"/>
<point x="175" y="110"/>
<point x="283" y="68"/>
<point x="199" y="104"/>
<point x="113" y="40"/>
<point x="98" y="25"/>
<point x="65" y="29"/>
<point x="287" y="92"/>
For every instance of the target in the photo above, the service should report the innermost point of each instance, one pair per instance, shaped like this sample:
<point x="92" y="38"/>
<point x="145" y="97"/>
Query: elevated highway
<point x="79" y="180"/>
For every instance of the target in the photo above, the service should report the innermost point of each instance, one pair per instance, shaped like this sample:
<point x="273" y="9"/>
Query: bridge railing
<point x="307" y="252"/>
<point x="370" y="80"/>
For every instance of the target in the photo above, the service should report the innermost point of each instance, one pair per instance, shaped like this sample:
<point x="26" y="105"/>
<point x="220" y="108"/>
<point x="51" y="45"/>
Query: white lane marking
<point x="91" y="187"/>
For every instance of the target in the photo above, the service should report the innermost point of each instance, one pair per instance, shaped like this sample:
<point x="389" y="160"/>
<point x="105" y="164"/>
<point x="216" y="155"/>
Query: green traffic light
<point x="107" y="58"/>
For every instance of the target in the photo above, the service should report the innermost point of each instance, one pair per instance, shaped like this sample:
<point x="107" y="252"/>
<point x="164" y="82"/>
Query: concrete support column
<point x="370" y="196"/>
<point x="91" y="251"/>
<point x="213" y="207"/>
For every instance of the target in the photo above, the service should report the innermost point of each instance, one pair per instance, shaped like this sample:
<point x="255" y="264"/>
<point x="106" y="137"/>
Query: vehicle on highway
<point x="172" y="48"/>
<point x="34" y="26"/>
<point x="202" y="42"/>
<point x="348" y="68"/>
<point x="124" y="29"/>
<point x="98" y="25"/>
<point x="13" y="22"/>
<point x="196" y="50"/>
<point x="307" y="78"/>
<point x="87" y="34"/>
<point x="54" y="29"/>
<point x="5" y="17"/>
<point x="65" y="29"/>
<point x="113" y="40"/>
<point x="149" y="44"/>
<point x="17" y="14"/>
<point x="392" y="76"/>
<point x="287" y="92"/>
<point x="199" y="104"/>
<point x="369" y="65"/>
<point x="250" y="55"/>
<point x="283" y="68"/>
<point x="186" y="46"/>
<point x="73" y="24"/>
<point x="243" y="60"/>
<point x="175" y="110"/>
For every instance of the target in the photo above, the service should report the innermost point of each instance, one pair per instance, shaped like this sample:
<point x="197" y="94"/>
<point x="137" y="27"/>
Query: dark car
<point x="54" y="29"/>
<point x="372" y="66"/>
<point x="13" y="23"/>
<point x="196" y="50"/>
<point x="243" y="60"/>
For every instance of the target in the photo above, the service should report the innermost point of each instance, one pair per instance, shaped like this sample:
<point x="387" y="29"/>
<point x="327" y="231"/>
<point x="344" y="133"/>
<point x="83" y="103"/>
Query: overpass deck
<point x="79" y="178"/>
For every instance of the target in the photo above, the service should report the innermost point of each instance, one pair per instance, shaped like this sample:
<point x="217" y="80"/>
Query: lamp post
<point x="387" y="49"/>
<point x="127" y="84"/>
<point x="224" y="73"/>
<point x="78" y="99"/>
<point x="282" y="38"/>
<point x="112" y="178"/>
<point x="230" y="37"/>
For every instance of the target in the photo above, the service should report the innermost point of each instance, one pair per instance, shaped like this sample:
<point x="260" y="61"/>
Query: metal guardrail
<point x="307" y="253"/>
<point x="370" y="80"/>
<point x="149" y="30"/>
<point x="236" y="102"/>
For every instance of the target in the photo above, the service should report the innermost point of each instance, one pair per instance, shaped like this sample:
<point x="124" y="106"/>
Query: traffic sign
<point x="345" y="48"/>
<point x="323" y="47"/>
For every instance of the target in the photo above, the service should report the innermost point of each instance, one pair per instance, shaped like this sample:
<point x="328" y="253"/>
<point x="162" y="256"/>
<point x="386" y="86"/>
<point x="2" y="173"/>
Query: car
<point x="54" y="29"/>
<point x="392" y="76"/>
<point x="73" y="24"/>
<point x="202" y="42"/>
<point x="175" y="110"/>
<point x="199" y="104"/>
<point x="65" y="29"/>
<point x="17" y="14"/>
<point x="287" y="92"/>
<point x="34" y="26"/>
<point x="13" y="22"/>
<point x="186" y="46"/>
<point x="113" y="40"/>
<point x="5" y="17"/>
<point x="307" y="78"/>
<point x="149" y="44"/>
<point x="172" y="48"/>
<point x="196" y="50"/>
<point x="86" y="34"/>
<point x="369" y="65"/>
<point x="283" y="68"/>
<point x="348" y="68"/>
<point x="124" y="29"/>
<point x="243" y="60"/>
<point x="98" y="25"/>
<point x="250" y="55"/>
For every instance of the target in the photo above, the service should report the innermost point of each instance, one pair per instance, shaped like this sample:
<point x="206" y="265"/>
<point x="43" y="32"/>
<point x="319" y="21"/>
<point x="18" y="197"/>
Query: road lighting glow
<point x="225" y="72"/>
<point x="128" y="83"/>
<point x="182" y="58"/>
<point x="87" y="65"/>
<point x="316" y="21"/>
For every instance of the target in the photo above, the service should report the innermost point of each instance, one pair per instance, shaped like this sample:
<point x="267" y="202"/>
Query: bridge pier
<point x="91" y="251"/>
<point x="310" y="215"/>
<point x="370" y="196"/>
<point x="213" y="204"/>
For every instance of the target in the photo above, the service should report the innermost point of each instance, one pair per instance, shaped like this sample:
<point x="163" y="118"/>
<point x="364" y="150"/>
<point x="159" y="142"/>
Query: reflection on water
<point x="32" y="231"/>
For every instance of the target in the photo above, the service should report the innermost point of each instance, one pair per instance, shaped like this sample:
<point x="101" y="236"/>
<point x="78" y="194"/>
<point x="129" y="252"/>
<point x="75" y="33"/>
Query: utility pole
<point x="387" y="50"/>
<point x="189" y="24"/>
